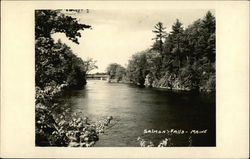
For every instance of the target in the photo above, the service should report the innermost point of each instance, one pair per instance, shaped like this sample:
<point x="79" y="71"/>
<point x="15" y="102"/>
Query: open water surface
<point x="137" y="109"/>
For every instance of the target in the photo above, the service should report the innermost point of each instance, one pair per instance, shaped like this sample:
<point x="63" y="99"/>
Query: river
<point x="137" y="109"/>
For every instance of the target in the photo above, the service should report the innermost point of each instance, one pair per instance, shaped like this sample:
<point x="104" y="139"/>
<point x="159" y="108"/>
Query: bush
<point x="65" y="129"/>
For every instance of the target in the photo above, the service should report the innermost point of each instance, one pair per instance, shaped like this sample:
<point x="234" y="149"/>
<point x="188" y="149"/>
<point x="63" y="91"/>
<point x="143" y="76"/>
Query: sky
<point x="118" y="34"/>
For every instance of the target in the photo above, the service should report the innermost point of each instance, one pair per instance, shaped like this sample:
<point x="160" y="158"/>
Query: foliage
<point x="58" y="68"/>
<point x="89" y="65"/>
<point x="186" y="60"/>
<point x="167" y="141"/>
<point x="160" y="34"/>
<point x="163" y="143"/>
<point x="55" y="62"/>
<point x="136" y="71"/>
<point x="51" y="21"/>
<point x="53" y="129"/>
<point x="142" y="64"/>
<point x="116" y="71"/>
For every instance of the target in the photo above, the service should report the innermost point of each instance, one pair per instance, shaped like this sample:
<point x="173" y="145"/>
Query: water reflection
<point x="136" y="109"/>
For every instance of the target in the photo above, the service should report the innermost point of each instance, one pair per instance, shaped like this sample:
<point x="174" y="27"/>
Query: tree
<point x="194" y="40"/>
<point x="185" y="59"/>
<point x="136" y="69"/>
<point x="160" y="34"/>
<point x="209" y="22"/>
<point x="208" y="25"/>
<point x="176" y="34"/>
<point x="111" y="70"/>
<point x="56" y="67"/>
<point x="48" y="22"/>
<point x="89" y="65"/>
<point x="168" y="56"/>
<point x="120" y="73"/>
<point x="153" y="64"/>
<point x="55" y="62"/>
<point x="116" y="71"/>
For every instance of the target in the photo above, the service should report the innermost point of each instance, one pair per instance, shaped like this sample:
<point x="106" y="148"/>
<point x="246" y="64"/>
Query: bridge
<point x="98" y="76"/>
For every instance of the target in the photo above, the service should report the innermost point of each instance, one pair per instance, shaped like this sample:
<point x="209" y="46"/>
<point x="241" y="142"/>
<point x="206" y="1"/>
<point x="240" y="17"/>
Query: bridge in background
<point x="98" y="76"/>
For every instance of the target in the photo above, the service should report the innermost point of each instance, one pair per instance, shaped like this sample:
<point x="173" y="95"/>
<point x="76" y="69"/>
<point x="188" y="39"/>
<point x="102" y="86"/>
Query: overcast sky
<point x="117" y="34"/>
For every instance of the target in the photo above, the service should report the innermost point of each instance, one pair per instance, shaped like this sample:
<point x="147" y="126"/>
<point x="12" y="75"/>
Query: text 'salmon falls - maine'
<point x="125" y="78"/>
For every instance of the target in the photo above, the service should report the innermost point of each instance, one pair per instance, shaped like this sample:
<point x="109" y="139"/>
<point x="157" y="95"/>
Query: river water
<point x="137" y="110"/>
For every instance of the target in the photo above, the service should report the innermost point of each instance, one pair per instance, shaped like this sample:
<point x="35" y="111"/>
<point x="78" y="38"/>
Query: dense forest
<point x="182" y="59"/>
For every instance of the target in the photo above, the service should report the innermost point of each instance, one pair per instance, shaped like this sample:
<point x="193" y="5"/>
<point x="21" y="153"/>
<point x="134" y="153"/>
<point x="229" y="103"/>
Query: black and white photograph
<point x="125" y="78"/>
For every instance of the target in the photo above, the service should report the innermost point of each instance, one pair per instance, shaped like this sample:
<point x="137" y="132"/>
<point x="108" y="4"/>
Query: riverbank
<point x="63" y="129"/>
<point x="175" y="85"/>
<point x="135" y="109"/>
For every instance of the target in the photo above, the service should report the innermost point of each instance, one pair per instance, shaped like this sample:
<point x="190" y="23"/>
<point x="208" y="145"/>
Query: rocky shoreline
<point x="164" y="84"/>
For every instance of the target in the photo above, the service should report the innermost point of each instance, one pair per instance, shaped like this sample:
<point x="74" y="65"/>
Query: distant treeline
<point x="182" y="59"/>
